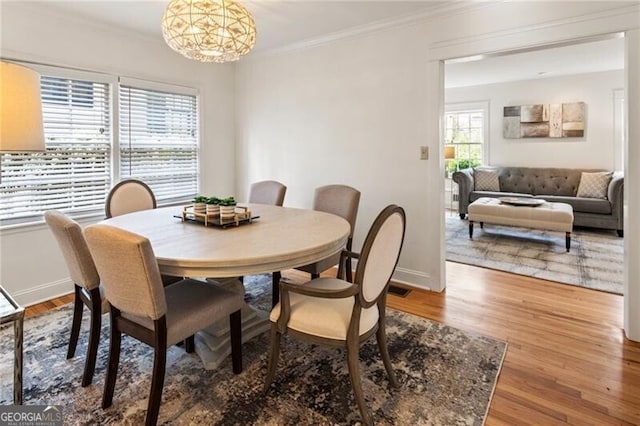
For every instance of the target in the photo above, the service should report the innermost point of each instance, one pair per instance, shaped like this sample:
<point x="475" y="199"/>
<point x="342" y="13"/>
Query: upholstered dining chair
<point x="157" y="316"/>
<point x="86" y="283"/>
<point x="337" y="313"/>
<point x="267" y="192"/>
<point x="127" y="196"/>
<point x="272" y="193"/>
<point x="132" y="195"/>
<point x="341" y="200"/>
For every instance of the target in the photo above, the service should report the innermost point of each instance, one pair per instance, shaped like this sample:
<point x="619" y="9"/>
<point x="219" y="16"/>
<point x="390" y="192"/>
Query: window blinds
<point x="73" y="175"/>
<point x="159" y="141"/>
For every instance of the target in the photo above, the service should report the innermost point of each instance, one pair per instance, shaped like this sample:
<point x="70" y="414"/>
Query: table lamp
<point x="21" y="128"/>
<point x="449" y="154"/>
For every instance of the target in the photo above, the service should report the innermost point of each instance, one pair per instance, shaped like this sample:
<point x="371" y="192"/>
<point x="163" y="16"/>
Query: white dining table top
<point x="281" y="238"/>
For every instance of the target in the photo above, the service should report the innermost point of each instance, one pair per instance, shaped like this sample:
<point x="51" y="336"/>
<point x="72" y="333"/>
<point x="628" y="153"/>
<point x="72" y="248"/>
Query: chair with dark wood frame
<point x="343" y="201"/>
<point x="132" y="195"/>
<point x="363" y="303"/>
<point x="272" y="193"/>
<point x="86" y="283"/>
<point x="158" y="316"/>
<point x="127" y="196"/>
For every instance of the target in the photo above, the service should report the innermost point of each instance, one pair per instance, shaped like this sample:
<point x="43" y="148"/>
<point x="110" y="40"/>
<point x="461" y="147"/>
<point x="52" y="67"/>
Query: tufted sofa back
<point x="540" y="181"/>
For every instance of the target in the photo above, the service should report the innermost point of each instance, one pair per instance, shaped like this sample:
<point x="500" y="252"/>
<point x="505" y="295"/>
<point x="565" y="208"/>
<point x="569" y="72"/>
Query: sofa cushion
<point x="540" y="181"/>
<point x="585" y="205"/>
<point x="486" y="179"/>
<point x="594" y="185"/>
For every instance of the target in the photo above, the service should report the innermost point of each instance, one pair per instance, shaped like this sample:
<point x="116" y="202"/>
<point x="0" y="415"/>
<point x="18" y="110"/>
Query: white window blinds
<point x="159" y="141"/>
<point x="73" y="175"/>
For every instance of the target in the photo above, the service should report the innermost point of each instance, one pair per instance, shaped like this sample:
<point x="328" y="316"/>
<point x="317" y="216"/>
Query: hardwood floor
<point x="567" y="360"/>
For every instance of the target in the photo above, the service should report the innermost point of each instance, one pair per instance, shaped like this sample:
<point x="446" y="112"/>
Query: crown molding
<point x="623" y="15"/>
<point x="450" y="8"/>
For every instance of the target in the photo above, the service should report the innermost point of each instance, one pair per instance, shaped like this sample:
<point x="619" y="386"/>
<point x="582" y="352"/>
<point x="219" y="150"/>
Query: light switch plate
<point x="424" y="152"/>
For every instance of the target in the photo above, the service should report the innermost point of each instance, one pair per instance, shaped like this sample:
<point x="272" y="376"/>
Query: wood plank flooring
<point x="568" y="361"/>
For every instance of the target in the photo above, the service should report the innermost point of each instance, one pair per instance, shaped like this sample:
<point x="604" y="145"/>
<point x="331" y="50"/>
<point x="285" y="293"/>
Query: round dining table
<point x="278" y="238"/>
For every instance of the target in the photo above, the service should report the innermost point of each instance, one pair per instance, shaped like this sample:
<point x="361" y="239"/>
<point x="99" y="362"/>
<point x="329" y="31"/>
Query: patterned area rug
<point x="595" y="260"/>
<point x="447" y="377"/>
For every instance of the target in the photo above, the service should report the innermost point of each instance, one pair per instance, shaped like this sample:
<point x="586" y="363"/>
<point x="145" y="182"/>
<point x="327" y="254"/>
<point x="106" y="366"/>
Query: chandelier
<point x="209" y="30"/>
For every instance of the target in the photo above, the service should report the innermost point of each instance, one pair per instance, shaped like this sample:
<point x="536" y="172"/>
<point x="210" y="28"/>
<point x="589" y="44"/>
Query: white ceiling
<point x="281" y="24"/>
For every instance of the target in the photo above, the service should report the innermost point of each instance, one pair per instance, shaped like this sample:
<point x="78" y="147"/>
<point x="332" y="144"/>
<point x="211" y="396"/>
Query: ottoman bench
<point x="527" y="213"/>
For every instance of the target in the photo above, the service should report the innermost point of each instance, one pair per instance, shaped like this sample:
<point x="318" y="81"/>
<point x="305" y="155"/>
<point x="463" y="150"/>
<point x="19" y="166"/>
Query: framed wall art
<point x="544" y="121"/>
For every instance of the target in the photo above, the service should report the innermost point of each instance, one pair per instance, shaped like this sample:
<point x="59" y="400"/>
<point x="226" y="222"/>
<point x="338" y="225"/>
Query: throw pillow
<point x="486" y="180"/>
<point x="594" y="185"/>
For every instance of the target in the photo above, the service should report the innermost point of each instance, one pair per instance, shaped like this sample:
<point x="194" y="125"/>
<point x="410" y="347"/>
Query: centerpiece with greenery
<point x="227" y="208"/>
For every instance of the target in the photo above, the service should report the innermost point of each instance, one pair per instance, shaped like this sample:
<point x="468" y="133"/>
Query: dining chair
<point x="86" y="283"/>
<point x="127" y="196"/>
<point x="272" y="193"/>
<point x="343" y="201"/>
<point x="267" y="192"/>
<point x="145" y="310"/>
<point x="334" y="312"/>
<point x="132" y="195"/>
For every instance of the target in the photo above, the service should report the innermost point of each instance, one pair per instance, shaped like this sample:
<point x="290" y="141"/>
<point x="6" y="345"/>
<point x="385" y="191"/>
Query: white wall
<point x="31" y="267"/>
<point x="340" y="113"/>
<point x="357" y="110"/>
<point x="595" y="150"/>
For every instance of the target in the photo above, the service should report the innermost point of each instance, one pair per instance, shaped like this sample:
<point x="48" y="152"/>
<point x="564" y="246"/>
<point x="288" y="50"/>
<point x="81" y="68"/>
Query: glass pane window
<point x="159" y="141"/>
<point x="73" y="174"/>
<point x="465" y="131"/>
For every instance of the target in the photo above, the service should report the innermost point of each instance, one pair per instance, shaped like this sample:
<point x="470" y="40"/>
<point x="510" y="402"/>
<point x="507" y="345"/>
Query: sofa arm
<point x="615" y="194"/>
<point x="464" y="179"/>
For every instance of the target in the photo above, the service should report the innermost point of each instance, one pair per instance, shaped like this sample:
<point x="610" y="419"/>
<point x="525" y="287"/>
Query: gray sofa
<point x="555" y="185"/>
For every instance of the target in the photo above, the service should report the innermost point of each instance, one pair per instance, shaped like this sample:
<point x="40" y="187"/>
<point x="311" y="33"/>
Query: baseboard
<point x="417" y="279"/>
<point x="43" y="292"/>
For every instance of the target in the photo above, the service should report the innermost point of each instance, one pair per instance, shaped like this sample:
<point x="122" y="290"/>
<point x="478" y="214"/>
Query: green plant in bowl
<point x="229" y="201"/>
<point x="213" y="200"/>
<point x="200" y="199"/>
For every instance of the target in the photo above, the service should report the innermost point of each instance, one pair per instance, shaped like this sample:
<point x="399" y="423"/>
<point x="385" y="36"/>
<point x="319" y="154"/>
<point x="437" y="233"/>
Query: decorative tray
<point x="241" y="216"/>
<point x="515" y="201"/>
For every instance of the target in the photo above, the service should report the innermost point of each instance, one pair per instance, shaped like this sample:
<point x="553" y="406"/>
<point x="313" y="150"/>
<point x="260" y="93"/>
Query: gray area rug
<point x="595" y="261"/>
<point x="447" y="377"/>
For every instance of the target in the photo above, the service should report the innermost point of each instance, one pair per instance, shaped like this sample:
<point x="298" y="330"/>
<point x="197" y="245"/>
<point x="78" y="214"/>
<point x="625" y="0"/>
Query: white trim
<point x="446" y="9"/>
<point x="416" y="279"/>
<point x="619" y="123"/>
<point x="43" y="292"/>
<point x="576" y="29"/>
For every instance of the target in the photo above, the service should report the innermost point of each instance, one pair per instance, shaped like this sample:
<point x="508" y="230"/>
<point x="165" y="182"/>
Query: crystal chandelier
<point x="209" y="30"/>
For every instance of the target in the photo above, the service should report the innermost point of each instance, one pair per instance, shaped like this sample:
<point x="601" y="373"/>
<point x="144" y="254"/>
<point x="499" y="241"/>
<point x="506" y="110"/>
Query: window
<point x="159" y="141"/>
<point x="73" y="175"/>
<point x="466" y="129"/>
<point x="156" y="141"/>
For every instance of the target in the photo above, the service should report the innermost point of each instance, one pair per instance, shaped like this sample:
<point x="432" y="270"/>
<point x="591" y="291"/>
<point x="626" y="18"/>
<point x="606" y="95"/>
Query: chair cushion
<point x="594" y="185"/>
<point x="191" y="306"/>
<point x="328" y="318"/>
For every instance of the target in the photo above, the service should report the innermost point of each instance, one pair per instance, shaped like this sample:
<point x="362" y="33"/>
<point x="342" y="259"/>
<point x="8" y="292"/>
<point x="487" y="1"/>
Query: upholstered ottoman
<point x="517" y="212"/>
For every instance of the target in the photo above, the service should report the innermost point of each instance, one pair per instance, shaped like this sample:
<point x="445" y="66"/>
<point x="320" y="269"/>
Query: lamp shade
<point x="449" y="152"/>
<point x="20" y="109"/>
<point x="209" y="30"/>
